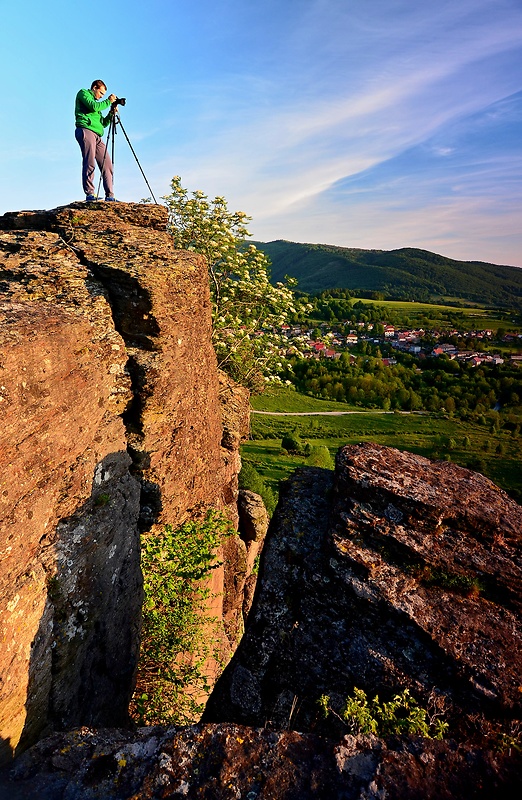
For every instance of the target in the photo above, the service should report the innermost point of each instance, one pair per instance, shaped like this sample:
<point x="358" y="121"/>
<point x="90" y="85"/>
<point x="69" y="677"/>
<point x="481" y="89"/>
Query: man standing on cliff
<point x="90" y="123"/>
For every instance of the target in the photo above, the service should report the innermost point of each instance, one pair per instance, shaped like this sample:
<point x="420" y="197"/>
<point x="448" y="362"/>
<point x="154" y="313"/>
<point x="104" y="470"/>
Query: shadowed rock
<point x="398" y="572"/>
<point x="220" y="762"/>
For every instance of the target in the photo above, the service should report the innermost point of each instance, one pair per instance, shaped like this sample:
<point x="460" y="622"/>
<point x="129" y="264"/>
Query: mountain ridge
<point x="404" y="273"/>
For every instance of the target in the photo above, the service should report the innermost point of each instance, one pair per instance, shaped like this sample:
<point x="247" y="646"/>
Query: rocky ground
<point x="233" y="762"/>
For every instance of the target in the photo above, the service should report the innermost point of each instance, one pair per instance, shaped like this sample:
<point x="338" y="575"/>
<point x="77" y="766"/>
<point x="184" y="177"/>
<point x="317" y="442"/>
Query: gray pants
<point x="94" y="152"/>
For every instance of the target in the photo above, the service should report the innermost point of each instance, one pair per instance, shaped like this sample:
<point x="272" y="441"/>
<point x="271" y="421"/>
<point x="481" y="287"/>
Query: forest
<point x="412" y="384"/>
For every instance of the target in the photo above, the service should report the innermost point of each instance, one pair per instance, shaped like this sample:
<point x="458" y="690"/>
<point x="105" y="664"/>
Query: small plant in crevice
<point x="178" y="634"/>
<point x="470" y="585"/>
<point x="511" y="739"/>
<point x="400" y="715"/>
<point x="454" y="582"/>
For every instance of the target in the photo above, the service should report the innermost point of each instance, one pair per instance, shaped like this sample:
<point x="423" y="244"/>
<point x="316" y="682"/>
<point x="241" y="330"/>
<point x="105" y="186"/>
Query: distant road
<point x="331" y="413"/>
<point x="324" y="413"/>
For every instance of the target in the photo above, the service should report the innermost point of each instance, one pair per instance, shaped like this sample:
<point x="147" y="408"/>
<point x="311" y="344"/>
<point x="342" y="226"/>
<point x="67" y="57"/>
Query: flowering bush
<point x="247" y="310"/>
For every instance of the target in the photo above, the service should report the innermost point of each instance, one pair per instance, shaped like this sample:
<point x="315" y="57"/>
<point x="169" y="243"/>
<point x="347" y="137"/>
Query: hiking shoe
<point x="90" y="198"/>
<point x="111" y="200"/>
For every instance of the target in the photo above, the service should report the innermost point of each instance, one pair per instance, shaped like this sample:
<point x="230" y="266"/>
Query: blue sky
<point x="363" y="123"/>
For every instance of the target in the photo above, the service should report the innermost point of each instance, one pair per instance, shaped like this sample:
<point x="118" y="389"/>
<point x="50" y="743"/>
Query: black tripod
<point x="115" y="120"/>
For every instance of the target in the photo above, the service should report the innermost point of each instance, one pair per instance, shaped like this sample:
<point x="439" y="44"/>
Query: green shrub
<point x="250" y="479"/>
<point x="320" y="457"/>
<point x="178" y="635"/>
<point x="292" y="443"/>
<point x="401" y="715"/>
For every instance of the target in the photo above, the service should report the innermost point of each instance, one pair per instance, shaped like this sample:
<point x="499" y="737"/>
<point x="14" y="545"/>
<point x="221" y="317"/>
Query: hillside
<point x="407" y="273"/>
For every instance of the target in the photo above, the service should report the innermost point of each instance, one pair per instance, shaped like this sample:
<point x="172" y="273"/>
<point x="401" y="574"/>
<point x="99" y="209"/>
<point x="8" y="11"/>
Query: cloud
<point x="274" y="156"/>
<point x="309" y="113"/>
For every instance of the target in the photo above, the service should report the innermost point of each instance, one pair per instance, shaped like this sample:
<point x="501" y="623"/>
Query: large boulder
<point x="226" y="761"/>
<point x="396" y="572"/>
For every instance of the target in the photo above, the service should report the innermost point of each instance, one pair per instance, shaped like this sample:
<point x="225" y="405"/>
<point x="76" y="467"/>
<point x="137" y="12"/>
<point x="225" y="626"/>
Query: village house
<point x="445" y="349"/>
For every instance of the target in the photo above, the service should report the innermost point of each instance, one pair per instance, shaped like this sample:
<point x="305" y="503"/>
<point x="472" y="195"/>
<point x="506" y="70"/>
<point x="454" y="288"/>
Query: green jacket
<point x="88" y="112"/>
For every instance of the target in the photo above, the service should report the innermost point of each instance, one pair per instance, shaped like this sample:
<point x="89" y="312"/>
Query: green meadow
<point x="286" y="399"/>
<point x="470" y="444"/>
<point x="472" y="317"/>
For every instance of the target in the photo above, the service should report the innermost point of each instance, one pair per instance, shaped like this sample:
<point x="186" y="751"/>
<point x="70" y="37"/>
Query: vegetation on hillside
<point x="489" y="443"/>
<point x="178" y="635"/>
<point x="410" y="384"/>
<point x="340" y="307"/>
<point x="407" y="273"/>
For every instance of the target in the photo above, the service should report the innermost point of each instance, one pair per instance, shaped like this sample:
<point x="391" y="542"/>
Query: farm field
<point x="287" y="400"/>
<point x="468" y="317"/>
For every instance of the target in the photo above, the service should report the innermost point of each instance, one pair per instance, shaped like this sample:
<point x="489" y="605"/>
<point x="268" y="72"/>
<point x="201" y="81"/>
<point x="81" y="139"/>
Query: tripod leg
<point x="106" y="165"/>
<point x="137" y="162"/>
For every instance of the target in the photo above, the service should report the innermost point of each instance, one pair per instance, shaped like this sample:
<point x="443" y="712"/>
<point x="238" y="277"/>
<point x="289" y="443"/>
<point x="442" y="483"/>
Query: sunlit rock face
<point x="111" y="424"/>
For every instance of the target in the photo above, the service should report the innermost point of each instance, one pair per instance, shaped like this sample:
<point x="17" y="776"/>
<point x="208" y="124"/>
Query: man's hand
<point x="112" y="98"/>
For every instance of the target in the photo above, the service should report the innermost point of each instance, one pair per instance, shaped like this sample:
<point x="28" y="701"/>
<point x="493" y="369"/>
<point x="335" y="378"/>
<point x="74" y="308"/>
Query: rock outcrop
<point x="396" y="573"/>
<point x="222" y="762"/>
<point x="253" y="527"/>
<point x="110" y="399"/>
<point x="393" y="573"/>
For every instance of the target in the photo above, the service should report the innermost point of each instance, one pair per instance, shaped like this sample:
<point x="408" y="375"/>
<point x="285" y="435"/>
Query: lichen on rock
<point x="112" y="425"/>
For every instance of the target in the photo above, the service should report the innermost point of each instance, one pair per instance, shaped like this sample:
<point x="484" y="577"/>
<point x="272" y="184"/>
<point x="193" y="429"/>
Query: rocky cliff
<point x="112" y="423"/>
<point x="393" y="573"/>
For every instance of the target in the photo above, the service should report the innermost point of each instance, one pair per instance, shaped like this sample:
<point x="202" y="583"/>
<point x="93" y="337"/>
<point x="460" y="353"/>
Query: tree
<point x="247" y="311"/>
<point x="449" y="404"/>
<point x="292" y="443"/>
<point x="319" y="456"/>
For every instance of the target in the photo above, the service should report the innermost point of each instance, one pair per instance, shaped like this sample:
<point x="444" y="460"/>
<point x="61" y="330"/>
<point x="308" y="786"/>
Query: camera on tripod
<point x="114" y="121"/>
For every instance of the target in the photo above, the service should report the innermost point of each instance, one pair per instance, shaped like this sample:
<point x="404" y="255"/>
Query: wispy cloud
<point x="324" y="120"/>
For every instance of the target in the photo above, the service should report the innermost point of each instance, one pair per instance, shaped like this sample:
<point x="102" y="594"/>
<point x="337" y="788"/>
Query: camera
<point x="120" y="101"/>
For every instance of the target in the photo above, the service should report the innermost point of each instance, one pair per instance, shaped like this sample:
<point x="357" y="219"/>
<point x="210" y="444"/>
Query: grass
<point x="423" y="434"/>
<point x="425" y="308"/>
<point x="473" y="317"/>
<point x="286" y="399"/>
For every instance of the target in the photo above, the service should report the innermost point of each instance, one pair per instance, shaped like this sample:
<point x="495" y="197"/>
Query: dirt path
<point x="321" y="413"/>
<point x="331" y="413"/>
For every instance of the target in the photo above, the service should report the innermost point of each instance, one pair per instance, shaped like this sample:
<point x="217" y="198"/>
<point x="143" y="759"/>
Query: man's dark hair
<point x="98" y="84"/>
